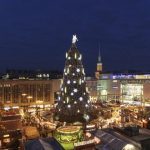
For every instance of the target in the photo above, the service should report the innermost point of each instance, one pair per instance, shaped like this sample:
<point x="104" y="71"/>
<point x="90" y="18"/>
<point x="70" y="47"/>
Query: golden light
<point x="23" y="94"/>
<point x="88" y="134"/>
<point x="96" y="140"/>
<point x="39" y="101"/>
<point x="6" y="135"/>
<point x="29" y="97"/>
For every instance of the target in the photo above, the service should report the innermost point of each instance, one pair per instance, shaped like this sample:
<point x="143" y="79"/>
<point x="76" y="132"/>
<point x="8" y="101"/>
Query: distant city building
<point x="124" y="87"/>
<point x="25" y="88"/>
<point x="25" y="93"/>
<point x="31" y="74"/>
<point x="132" y="88"/>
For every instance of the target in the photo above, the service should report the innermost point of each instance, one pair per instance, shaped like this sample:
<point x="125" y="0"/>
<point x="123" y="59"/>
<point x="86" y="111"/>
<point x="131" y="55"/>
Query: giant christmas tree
<point x="73" y="101"/>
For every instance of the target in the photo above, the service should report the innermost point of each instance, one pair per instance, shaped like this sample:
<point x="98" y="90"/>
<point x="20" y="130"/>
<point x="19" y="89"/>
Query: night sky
<point x="35" y="34"/>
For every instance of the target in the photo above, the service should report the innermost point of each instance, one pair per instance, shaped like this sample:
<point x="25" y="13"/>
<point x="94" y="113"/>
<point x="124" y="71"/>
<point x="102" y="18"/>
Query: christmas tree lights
<point x="73" y="104"/>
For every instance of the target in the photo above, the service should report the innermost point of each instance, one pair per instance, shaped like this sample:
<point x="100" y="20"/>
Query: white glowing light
<point x="83" y="71"/>
<point x="78" y="70"/>
<point x="69" y="58"/>
<point x="69" y="106"/>
<point x="86" y="117"/>
<point x="75" y="102"/>
<point x="81" y="98"/>
<point x="66" y="55"/>
<point x="86" y="105"/>
<point x="65" y="73"/>
<point x="75" y="56"/>
<point x="75" y="90"/>
<point x="68" y="70"/>
<point x="74" y="39"/>
<point x="80" y="57"/>
<point x="74" y="81"/>
<point x="72" y="94"/>
<point x="70" y="65"/>
<point x="6" y="108"/>
<point x="62" y="89"/>
<point x="73" y="74"/>
<point x="78" y="111"/>
<point x="82" y="81"/>
<point x="68" y="82"/>
<point x="88" y="101"/>
<point x="129" y="146"/>
<point x="65" y="90"/>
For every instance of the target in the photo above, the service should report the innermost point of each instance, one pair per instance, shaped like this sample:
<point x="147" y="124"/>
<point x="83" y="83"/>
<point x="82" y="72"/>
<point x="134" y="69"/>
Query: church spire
<point x="99" y="55"/>
<point x="99" y="64"/>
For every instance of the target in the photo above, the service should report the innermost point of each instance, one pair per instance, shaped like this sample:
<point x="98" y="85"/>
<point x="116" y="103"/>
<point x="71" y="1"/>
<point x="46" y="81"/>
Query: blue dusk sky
<point x="35" y="34"/>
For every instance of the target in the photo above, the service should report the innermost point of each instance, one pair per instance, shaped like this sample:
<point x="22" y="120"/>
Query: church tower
<point x="99" y="66"/>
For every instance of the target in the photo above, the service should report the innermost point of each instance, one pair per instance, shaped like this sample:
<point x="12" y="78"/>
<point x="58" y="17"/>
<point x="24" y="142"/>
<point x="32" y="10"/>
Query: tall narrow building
<point x="99" y="66"/>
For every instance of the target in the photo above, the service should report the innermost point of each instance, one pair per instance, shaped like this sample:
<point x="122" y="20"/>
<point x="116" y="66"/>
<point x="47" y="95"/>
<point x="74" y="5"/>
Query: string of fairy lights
<point x="74" y="97"/>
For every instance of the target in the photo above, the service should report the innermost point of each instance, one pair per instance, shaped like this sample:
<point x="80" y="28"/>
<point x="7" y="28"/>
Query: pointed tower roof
<point x="99" y="54"/>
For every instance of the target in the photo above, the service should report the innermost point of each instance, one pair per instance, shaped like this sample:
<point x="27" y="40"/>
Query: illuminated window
<point x="132" y="92"/>
<point x="103" y="92"/>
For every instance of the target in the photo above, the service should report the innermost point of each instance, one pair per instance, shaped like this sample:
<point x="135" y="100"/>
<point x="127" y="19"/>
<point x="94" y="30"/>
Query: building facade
<point x="43" y="93"/>
<point x="130" y="88"/>
<point x="124" y="87"/>
<point x="21" y="93"/>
